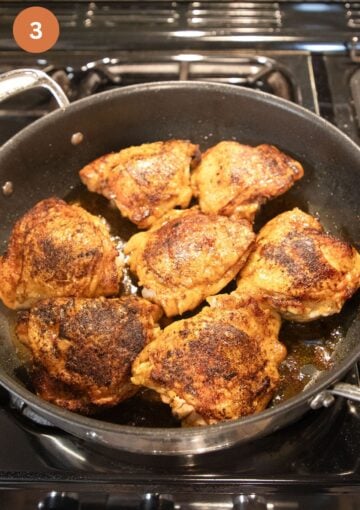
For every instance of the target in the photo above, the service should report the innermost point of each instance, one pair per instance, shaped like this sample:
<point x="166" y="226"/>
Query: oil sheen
<point x="310" y="346"/>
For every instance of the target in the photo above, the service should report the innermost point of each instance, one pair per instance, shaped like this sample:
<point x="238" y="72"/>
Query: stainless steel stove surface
<point x="283" y="73"/>
<point x="302" y="51"/>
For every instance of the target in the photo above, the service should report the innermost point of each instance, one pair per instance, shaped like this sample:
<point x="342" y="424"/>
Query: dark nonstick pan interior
<point x="41" y="161"/>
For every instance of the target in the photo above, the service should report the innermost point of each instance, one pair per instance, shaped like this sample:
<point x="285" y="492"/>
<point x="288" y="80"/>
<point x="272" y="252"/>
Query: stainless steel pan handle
<point x="327" y="397"/>
<point x="19" y="80"/>
<point x="346" y="390"/>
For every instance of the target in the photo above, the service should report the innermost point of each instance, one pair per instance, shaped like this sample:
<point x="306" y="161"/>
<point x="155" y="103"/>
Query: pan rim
<point x="169" y="434"/>
<point x="91" y="423"/>
<point x="158" y="86"/>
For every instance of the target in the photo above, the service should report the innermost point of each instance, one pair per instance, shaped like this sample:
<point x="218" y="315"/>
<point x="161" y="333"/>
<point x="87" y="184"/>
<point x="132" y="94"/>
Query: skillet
<point x="43" y="160"/>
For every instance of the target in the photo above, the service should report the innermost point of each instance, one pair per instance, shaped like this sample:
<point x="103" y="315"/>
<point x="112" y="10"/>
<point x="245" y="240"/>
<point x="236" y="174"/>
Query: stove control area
<point x="289" y="499"/>
<point x="249" y="502"/>
<point x="59" y="501"/>
<point x="74" y="501"/>
<point x="156" y="502"/>
<point x="71" y="501"/>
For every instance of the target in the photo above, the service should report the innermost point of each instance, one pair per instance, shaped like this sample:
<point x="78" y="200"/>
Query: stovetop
<point x="181" y="24"/>
<point x="325" y="83"/>
<point x="317" y="457"/>
<point x="320" y="449"/>
<point x="302" y="51"/>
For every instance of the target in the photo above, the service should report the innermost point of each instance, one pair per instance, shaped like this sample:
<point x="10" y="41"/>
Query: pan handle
<point x="346" y="390"/>
<point x="19" y="80"/>
<point x="327" y="397"/>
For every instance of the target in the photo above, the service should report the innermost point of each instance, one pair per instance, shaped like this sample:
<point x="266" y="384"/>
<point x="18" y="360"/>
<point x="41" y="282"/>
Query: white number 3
<point x="37" y="32"/>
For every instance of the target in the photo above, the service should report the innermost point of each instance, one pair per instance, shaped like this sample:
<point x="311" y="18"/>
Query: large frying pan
<point x="41" y="161"/>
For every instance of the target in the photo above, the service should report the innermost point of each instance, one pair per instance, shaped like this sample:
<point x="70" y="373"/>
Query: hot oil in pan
<point x="309" y="346"/>
<point x="309" y="352"/>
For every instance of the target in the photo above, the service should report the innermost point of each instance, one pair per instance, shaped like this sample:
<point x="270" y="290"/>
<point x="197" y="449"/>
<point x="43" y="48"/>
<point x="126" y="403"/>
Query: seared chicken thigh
<point x="188" y="256"/>
<point x="219" y="365"/>
<point x="300" y="270"/>
<point x="83" y="348"/>
<point x="235" y="178"/>
<point x="58" y="250"/>
<point x="145" y="182"/>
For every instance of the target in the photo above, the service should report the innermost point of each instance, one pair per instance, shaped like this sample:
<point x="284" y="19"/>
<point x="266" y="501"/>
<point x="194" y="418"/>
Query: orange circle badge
<point x="36" y="29"/>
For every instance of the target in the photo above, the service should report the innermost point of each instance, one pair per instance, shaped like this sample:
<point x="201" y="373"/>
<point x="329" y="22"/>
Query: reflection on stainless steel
<point x="63" y="449"/>
<point x="253" y="70"/>
<point x="19" y="405"/>
<point x="355" y="91"/>
<point x="163" y="23"/>
<point x="340" y="70"/>
<point x="354" y="49"/>
<point x="354" y="407"/>
<point x="285" y="74"/>
<point x="20" y="80"/>
<point x="323" y="399"/>
<point x="59" y="501"/>
<point x="346" y="390"/>
<point x="353" y="14"/>
<point x="240" y="16"/>
<point x="131" y="13"/>
<point x="291" y="451"/>
<point x="250" y="502"/>
<point x="151" y="501"/>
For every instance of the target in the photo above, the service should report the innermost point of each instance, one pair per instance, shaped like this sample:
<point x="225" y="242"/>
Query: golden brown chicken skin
<point x="300" y="270"/>
<point x="146" y="181"/>
<point x="188" y="256"/>
<point x="233" y="178"/>
<point x="219" y="365"/>
<point x="58" y="250"/>
<point x="83" y="349"/>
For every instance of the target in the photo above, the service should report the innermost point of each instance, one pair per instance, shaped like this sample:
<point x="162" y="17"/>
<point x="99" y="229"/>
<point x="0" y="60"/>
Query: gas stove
<point x="306" y="52"/>
<point x="313" y="462"/>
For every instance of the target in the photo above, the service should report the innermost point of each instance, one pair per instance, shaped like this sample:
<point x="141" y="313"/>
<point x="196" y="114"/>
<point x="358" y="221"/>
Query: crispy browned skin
<point x="83" y="348"/>
<point x="58" y="250"/>
<point x="219" y="365"/>
<point x="146" y="181"/>
<point x="300" y="270"/>
<point x="236" y="179"/>
<point x="188" y="256"/>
